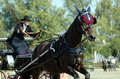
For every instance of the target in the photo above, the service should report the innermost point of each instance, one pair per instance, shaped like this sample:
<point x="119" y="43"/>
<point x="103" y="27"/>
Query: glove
<point x="38" y="34"/>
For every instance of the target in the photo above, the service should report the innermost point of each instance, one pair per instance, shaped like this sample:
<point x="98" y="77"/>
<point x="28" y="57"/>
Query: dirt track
<point x="99" y="74"/>
<point x="96" y="74"/>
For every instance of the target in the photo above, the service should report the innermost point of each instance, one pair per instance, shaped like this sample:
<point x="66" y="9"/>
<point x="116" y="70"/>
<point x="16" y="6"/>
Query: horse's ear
<point x="79" y="11"/>
<point x="95" y="21"/>
<point x="89" y="9"/>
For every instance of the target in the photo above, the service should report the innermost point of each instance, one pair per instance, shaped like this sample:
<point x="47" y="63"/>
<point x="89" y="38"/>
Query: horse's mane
<point x="74" y="34"/>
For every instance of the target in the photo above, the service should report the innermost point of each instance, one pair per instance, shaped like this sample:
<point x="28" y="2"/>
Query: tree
<point x="108" y="25"/>
<point x="2" y="32"/>
<point x="44" y="15"/>
<point x="70" y="4"/>
<point x="107" y="28"/>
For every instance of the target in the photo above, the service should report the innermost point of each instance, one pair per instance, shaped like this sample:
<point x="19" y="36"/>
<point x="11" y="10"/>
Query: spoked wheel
<point x="14" y="77"/>
<point x="18" y="77"/>
<point x="2" y="75"/>
<point x="11" y="77"/>
<point x="45" y="75"/>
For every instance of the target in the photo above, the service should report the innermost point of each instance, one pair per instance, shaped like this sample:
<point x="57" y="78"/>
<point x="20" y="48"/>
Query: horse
<point x="61" y="54"/>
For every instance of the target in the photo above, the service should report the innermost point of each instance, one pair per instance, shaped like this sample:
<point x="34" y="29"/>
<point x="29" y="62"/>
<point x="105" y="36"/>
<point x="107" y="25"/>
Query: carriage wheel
<point x="18" y="77"/>
<point x="2" y="75"/>
<point x="45" y="75"/>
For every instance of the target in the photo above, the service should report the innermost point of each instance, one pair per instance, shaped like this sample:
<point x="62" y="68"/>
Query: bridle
<point x="85" y="26"/>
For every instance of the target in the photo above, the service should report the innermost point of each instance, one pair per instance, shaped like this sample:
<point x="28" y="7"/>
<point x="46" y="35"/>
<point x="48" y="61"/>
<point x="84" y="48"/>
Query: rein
<point x="41" y="30"/>
<point x="83" y="40"/>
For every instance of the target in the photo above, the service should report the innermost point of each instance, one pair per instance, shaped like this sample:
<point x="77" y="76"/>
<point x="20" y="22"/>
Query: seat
<point x="22" y="60"/>
<point x="29" y="55"/>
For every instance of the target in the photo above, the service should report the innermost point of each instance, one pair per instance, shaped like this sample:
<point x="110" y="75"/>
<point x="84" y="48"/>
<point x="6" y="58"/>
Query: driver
<point x="17" y="40"/>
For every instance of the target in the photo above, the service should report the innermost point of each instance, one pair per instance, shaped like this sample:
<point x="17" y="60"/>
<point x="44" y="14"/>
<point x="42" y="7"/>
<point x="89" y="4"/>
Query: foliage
<point x="70" y="4"/>
<point x="107" y="29"/>
<point x="44" y="15"/>
<point x="2" y="32"/>
<point x="108" y="25"/>
<point x="55" y="20"/>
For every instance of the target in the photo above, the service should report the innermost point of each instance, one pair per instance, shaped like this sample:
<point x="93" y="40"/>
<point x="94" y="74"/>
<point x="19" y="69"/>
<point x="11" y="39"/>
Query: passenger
<point x="104" y="65"/>
<point x="109" y="64"/>
<point x="113" y="62"/>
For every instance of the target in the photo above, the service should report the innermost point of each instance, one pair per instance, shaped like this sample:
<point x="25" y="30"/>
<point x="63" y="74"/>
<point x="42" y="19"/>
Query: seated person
<point x="17" y="40"/>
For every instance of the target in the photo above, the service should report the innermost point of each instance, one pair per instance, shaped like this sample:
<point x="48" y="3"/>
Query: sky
<point x="60" y="4"/>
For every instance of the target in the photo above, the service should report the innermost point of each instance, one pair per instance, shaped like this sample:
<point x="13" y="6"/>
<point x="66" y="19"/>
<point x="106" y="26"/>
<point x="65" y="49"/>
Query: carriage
<point x="8" y="60"/>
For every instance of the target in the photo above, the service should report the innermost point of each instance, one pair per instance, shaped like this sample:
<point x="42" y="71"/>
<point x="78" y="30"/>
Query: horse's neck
<point x="73" y="36"/>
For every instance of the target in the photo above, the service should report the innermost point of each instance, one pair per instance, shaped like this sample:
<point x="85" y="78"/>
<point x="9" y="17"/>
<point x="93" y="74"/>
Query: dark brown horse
<point x="63" y="57"/>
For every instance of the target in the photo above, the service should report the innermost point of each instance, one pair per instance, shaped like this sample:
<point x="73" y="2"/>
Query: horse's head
<point x="87" y="20"/>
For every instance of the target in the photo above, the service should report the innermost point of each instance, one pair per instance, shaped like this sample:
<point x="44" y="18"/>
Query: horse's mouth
<point x="91" y="38"/>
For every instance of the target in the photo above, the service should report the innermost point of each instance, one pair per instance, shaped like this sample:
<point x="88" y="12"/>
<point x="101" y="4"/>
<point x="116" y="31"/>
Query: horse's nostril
<point x="92" y="37"/>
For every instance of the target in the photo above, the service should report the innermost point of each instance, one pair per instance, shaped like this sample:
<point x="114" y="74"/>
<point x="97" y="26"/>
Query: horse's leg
<point x="83" y="71"/>
<point x="26" y="75"/>
<point x="64" y="61"/>
<point x="36" y="72"/>
<point x="71" y="72"/>
<point x="57" y="76"/>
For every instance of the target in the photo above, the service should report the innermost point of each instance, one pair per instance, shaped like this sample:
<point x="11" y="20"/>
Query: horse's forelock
<point x="87" y="18"/>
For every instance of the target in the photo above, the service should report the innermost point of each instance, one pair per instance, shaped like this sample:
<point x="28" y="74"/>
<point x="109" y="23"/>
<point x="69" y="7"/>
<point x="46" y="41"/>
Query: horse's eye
<point x="82" y="19"/>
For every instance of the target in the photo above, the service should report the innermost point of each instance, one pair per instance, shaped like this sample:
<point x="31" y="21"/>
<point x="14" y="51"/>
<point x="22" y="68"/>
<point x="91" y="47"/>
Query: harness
<point x="51" y="48"/>
<point x="64" y="48"/>
<point x="77" y="50"/>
